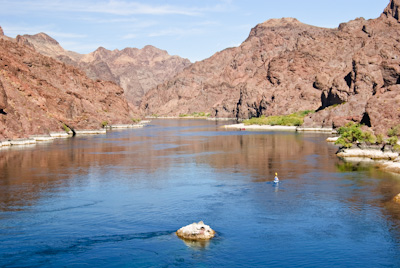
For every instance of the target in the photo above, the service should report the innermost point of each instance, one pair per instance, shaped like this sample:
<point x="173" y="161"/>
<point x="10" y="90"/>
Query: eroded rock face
<point x="196" y="231"/>
<point x="285" y="66"/>
<point x="39" y="94"/>
<point x="392" y="10"/>
<point x="135" y="70"/>
<point x="3" y="98"/>
<point x="259" y="77"/>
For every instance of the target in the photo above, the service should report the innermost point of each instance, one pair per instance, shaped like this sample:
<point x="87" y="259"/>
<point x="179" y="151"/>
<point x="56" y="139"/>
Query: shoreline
<point x="242" y="126"/>
<point x="34" y="139"/>
<point x="386" y="160"/>
<point x="192" y="117"/>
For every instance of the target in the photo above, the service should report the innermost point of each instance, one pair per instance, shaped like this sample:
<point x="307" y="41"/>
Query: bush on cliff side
<point x="394" y="131"/>
<point x="352" y="133"/>
<point x="393" y="139"/>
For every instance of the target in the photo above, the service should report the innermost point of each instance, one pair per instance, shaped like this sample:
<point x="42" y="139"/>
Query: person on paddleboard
<point x="276" y="180"/>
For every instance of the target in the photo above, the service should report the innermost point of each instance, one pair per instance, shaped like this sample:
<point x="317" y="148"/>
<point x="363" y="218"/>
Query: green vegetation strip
<point x="195" y="114"/>
<point x="295" y="119"/>
<point x="352" y="134"/>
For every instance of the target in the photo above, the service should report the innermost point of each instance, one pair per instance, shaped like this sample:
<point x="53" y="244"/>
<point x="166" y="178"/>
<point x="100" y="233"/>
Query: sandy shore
<point x="385" y="160"/>
<point x="192" y="117"/>
<point x="388" y="160"/>
<point x="32" y="140"/>
<point x="278" y="128"/>
<point x="368" y="153"/>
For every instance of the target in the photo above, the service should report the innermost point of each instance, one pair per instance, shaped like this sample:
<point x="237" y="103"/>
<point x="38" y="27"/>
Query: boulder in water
<point x="196" y="231"/>
<point x="397" y="198"/>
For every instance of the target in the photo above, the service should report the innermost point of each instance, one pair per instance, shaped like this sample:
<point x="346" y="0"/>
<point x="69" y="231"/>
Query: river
<point x="115" y="200"/>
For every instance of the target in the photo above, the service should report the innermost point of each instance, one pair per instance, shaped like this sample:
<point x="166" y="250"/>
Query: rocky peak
<point x="283" y="26"/>
<point x="135" y="70"/>
<point x="47" y="46"/>
<point x="152" y="49"/>
<point x="1" y="31"/>
<point x="130" y="51"/>
<point x="281" y="22"/>
<point x="392" y="10"/>
<point x="101" y="52"/>
<point x="43" y="38"/>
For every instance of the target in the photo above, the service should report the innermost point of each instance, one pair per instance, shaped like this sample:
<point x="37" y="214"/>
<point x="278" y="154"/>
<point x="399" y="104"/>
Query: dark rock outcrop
<point x="3" y="99"/>
<point x="392" y="10"/>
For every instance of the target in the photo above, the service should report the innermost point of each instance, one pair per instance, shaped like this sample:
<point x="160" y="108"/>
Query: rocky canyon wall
<point x="135" y="70"/>
<point x="39" y="94"/>
<point x="350" y="73"/>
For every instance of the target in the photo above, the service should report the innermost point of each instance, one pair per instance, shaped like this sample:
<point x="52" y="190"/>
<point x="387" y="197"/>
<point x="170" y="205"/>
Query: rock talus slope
<point x="350" y="73"/>
<point x="39" y="94"/>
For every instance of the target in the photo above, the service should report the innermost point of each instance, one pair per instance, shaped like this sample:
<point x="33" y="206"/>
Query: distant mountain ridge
<point x="135" y="70"/>
<point x="347" y="74"/>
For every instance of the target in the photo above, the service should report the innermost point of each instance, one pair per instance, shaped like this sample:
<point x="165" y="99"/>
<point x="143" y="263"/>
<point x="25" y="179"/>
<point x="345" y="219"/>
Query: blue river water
<point x="115" y="200"/>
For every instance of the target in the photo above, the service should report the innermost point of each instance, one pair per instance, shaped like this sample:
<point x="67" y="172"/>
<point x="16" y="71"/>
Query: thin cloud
<point x="107" y="21"/>
<point x="175" y="32"/>
<point x="12" y="30"/>
<point x="115" y="7"/>
<point x="129" y="36"/>
<point x="66" y="35"/>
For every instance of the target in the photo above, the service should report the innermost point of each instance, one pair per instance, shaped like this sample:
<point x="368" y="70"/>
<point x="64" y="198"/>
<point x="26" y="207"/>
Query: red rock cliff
<point x="39" y="94"/>
<point x="347" y="74"/>
<point x="135" y="70"/>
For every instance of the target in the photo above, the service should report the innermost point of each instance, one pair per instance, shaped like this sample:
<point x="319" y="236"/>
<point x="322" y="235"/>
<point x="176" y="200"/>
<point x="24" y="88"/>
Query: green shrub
<point x="66" y="129"/>
<point x="285" y="120"/>
<point x="392" y="140"/>
<point x="350" y="134"/>
<point x="369" y="138"/>
<point x="195" y="114"/>
<point x="295" y="119"/>
<point x="306" y="112"/>
<point x="104" y="124"/>
<point x="136" y="120"/>
<point x="256" y="121"/>
<point x="394" y="131"/>
<point x="379" y="139"/>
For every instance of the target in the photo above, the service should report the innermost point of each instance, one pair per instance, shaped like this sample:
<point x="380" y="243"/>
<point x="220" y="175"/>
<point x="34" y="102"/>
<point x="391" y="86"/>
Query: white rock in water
<point x="196" y="231"/>
<point x="397" y="198"/>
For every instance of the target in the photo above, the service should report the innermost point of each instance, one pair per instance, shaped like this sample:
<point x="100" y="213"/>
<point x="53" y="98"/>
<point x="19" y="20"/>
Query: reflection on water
<point x="197" y="245"/>
<point x="156" y="148"/>
<point x="118" y="198"/>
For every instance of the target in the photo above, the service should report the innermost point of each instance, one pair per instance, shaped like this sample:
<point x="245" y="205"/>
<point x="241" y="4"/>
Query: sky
<point x="193" y="29"/>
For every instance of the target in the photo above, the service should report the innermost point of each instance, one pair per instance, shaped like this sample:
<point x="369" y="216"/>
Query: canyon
<point x="39" y="95"/>
<point x="135" y="70"/>
<point x="350" y="73"/>
<point x="346" y="74"/>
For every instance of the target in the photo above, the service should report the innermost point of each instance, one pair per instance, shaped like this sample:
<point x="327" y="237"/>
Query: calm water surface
<point x="115" y="200"/>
